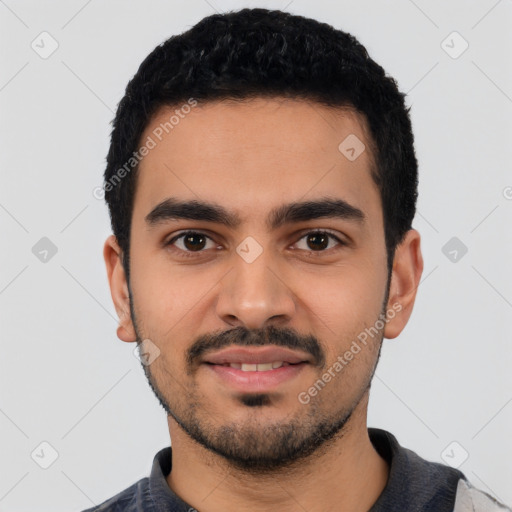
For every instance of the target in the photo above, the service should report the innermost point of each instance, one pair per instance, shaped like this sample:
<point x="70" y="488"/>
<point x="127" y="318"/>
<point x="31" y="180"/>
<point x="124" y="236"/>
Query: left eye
<point x="320" y="239"/>
<point x="192" y="241"/>
<point x="195" y="241"/>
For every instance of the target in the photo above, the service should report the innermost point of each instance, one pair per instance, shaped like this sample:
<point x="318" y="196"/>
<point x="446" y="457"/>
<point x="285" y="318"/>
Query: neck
<point x="347" y="475"/>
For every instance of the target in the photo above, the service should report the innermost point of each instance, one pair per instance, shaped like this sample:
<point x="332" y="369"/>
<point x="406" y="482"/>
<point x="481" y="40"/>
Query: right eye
<point x="191" y="242"/>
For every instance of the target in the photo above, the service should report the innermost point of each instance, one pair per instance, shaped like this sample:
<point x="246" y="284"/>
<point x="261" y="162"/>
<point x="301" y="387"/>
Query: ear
<point x="112" y="254"/>
<point x="405" y="279"/>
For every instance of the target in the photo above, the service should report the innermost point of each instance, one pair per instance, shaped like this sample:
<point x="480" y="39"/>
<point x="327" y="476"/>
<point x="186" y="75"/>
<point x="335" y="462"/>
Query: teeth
<point x="264" y="367"/>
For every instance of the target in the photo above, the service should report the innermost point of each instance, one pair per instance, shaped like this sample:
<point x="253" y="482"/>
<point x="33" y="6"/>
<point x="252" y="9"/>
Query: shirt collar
<point x="413" y="482"/>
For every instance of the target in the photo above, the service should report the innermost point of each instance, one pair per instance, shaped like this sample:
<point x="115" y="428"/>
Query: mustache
<point x="270" y="335"/>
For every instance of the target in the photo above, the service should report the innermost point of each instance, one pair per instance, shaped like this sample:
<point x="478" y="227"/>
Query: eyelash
<point x="193" y="254"/>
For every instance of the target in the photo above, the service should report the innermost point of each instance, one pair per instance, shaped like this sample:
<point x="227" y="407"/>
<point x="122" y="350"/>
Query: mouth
<point x="257" y="367"/>
<point x="256" y="377"/>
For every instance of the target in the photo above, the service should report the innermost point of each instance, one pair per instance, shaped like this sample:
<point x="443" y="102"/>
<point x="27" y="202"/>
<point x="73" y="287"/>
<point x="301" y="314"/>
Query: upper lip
<point x="248" y="355"/>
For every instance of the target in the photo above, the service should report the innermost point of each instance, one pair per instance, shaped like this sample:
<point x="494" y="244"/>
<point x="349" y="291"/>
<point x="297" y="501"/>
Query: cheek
<point x="344" y="309"/>
<point x="168" y="303"/>
<point x="345" y="298"/>
<point x="165" y="292"/>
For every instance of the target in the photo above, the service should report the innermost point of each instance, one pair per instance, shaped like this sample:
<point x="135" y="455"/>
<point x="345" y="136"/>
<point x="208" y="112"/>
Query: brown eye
<point x="190" y="242"/>
<point x="318" y="241"/>
<point x="194" y="241"/>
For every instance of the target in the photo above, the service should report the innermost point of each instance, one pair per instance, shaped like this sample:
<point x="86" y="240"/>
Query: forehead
<point x="255" y="155"/>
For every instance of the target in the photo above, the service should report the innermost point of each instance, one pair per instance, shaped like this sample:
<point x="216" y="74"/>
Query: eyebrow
<point x="175" y="209"/>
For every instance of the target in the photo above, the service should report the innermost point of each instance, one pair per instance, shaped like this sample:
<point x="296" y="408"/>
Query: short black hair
<point x="254" y="53"/>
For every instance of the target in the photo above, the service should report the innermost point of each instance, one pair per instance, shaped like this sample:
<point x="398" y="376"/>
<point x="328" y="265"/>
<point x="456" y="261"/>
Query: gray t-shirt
<point x="414" y="485"/>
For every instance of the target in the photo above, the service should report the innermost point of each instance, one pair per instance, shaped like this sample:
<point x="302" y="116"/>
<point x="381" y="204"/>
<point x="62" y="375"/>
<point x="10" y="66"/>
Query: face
<point x="280" y="259"/>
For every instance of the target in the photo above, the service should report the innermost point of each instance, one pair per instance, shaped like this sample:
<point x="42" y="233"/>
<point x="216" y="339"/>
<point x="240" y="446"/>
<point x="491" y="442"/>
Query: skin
<point x="251" y="157"/>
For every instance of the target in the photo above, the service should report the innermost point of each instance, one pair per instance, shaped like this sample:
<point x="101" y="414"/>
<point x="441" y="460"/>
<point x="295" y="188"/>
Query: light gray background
<point x="65" y="377"/>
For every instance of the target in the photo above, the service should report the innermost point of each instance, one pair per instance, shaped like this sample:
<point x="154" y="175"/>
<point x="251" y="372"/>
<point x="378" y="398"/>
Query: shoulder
<point x="128" y="500"/>
<point x="470" y="499"/>
<point x="421" y="485"/>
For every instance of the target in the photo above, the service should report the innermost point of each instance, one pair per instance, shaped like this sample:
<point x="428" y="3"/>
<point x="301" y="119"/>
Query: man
<point x="262" y="184"/>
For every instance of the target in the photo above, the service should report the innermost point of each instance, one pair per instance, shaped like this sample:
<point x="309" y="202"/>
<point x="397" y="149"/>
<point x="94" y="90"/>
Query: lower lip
<point x="256" y="381"/>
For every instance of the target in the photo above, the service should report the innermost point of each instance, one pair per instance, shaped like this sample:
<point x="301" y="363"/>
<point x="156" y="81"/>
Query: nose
<point x="255" y="294"/>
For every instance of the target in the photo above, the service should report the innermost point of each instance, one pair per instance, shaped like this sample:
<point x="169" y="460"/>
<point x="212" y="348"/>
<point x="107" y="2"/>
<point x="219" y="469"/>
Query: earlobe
<point x="405" y="279"/>
<point x="119" y="289"/>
